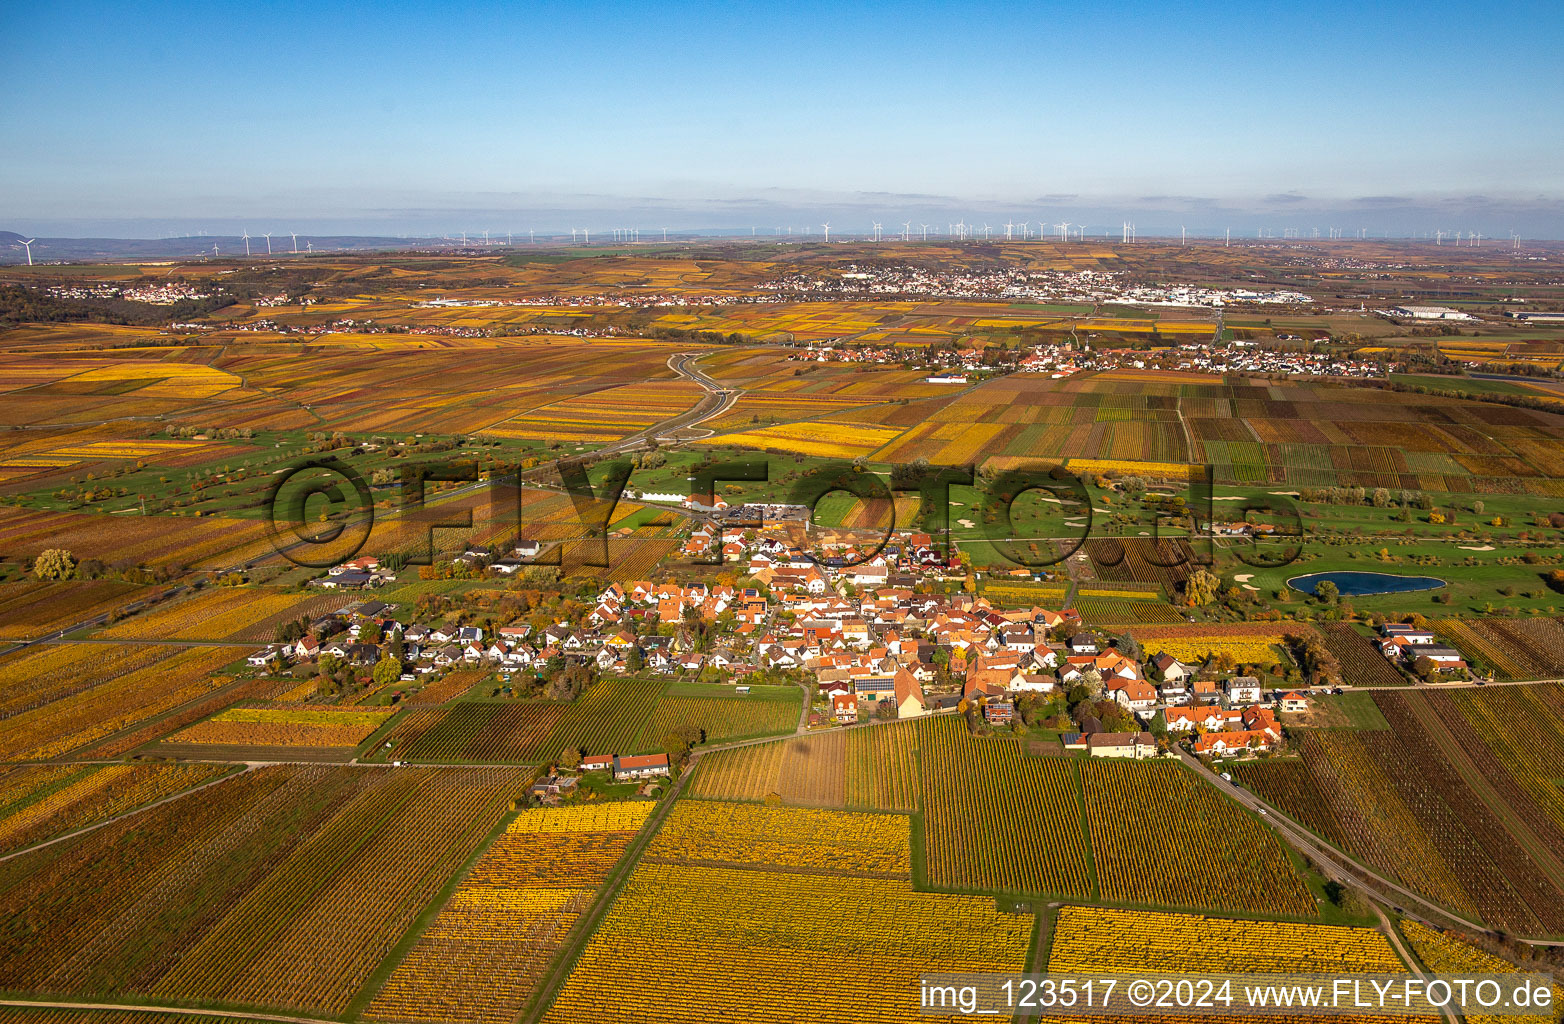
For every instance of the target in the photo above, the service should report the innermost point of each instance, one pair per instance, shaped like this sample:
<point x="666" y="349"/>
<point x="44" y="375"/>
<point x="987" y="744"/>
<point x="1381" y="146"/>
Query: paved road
<point x="1337" y="865"/>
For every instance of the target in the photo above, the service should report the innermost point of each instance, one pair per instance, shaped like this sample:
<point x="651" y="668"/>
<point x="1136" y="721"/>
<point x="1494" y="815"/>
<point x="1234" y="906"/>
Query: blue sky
<point x="151" y="117"/>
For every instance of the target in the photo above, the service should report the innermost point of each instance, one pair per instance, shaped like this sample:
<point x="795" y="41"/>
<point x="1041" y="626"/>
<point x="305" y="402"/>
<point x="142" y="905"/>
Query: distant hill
<point x="11" y="238"/>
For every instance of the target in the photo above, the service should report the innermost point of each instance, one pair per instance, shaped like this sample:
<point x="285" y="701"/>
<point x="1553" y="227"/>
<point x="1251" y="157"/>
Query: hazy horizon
<point x="146" y="120"/>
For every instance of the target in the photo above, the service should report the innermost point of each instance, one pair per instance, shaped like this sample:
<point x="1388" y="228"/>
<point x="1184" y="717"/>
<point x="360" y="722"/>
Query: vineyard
<point x="864" y="769"/>
<point x="243" y="614"/>
<point x="1444" y="953"/>
<point x="286" y="727"/>
<point x="728" y="717"/>
<point x="995" y="819"/>
<point x="1361" y="662"/>
<point x="1432" y="803"/>
<point x="481" y="957"/>
<point x="88" y="702"/>
<point x="1160" y="835"/>
<point x="755" y="835"/>
<point x="768" y="943"/>
<point x="271" y="889"/>
<point x="1117" y="610"/>
<point x="1248" y="643"/>
<point x="1163" y="563"/>
<point x="1097" y="941"/>
<point x="38" y="802"/>
<point x="1512" y="648"/>
<point x="806" y="770"/>
<point x="612" y="717"/>
<point x="32" y="608"/>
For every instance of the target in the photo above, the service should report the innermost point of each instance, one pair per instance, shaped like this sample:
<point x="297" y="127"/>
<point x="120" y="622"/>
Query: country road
<point x="717" y="400"/>
<point x="186" y="1010"/>
<point x="1344" y="869"/>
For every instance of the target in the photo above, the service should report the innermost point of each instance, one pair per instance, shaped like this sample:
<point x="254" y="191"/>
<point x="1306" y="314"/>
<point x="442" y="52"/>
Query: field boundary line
<point x="188" y="1010"/>
<point x="125" y="814"/>
<point x="1450" y="747"/>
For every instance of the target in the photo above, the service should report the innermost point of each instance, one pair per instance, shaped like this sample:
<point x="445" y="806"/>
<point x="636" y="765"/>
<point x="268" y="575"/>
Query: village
<point x="869" y="639"/>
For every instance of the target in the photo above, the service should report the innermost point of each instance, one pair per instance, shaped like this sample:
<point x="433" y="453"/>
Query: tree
<point x="387" y="671"/>
<point x="1423" y="666"/>
<point x="1381" y="497"/>
<point x="54" y="564"/>
<point x="1326" y="592"/>
<point x="369" y="632"/>
<point x="570" y="758"/>
<point x="1201" y="587"/>
<point x="677" y="743"/>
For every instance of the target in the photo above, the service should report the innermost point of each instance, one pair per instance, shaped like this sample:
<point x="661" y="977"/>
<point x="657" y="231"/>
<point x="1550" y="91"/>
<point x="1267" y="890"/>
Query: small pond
<point x="1362" y="584"/>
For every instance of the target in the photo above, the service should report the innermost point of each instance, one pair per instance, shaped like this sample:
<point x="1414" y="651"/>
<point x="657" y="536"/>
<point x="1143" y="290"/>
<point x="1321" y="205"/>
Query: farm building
<point x="641" y="767"/>
<point x="1121" y="744"/>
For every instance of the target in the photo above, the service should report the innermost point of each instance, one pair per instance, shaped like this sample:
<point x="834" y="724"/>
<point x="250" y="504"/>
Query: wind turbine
<point x="1009" y="229"/>
<point x="925" y="232"/>
<point x="1025" y="229"/>
<point x="246" y="237"/>
<point x="268" y="243"/>
<point x="876" y="231"/>
<point x="295" y="235"/>
<point x="906" y="228"/>
<point x="27" y="243"/>
<point x="665" y="234"/>
<point x="827" y="227"/>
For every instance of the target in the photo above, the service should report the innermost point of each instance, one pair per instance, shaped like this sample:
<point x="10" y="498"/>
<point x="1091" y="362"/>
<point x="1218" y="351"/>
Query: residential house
<point x="1243" y="690"/>
<point x="1121" y="744"/>
<point x="910" y="702"/>
<point x="641" y="767"/>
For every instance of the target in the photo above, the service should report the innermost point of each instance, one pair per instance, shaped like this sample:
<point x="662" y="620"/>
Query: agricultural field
<point x="612" y="717"/>
<point x="1449" y="799"/>
<point x="805" y="771"/>
<point x="998" y="820"/>
<point x="238" y="614"/>
<point x="1248" y="643"/>
<point x="76" y="694"/>
<point x="32" y="608"/>
<point x="479" y="960"/>
<point x="1141" y="818"/>
<point x="39" y="802"/>
<point x="995" y="819"/>
<point x="1448" y="954"/>
<point x="1361" y="662"/>
<point x="1509" y="648"/>
<point x="757" y="835"/>
<point x="296" y="726"/>
<point x="751" y="943"/>
<point x="239" y="844"/>
<point x="270" y="890"/>
<point x="762" y="712"/>
<point x="1097" y="941"/>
